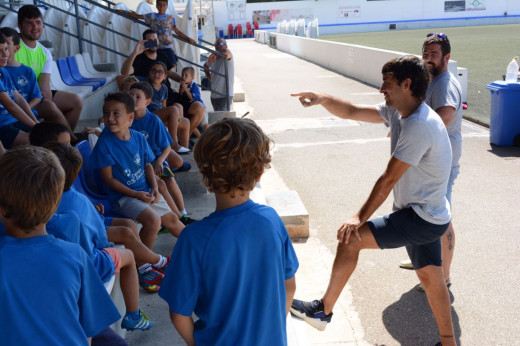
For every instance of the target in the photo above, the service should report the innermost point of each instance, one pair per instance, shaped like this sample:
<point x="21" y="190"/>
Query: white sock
<point x="162" y="262"/>
<point x="184" y="212"/>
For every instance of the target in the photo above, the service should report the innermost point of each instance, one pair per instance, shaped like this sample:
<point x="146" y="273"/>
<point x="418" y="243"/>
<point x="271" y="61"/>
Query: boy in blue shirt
<point x="239" y="254"/>
<point x="124" y="159"/>
<point x="107" y="260"/>
<point x="16" y="117"/>
<point x="159" y="140"/>
<point x="22" y="76"/>
<point x="58" y="298"/>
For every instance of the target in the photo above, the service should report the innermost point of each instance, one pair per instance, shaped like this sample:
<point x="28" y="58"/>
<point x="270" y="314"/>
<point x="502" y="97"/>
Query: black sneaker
<point x="186" y="220"/>
<point x="311" y="312"/>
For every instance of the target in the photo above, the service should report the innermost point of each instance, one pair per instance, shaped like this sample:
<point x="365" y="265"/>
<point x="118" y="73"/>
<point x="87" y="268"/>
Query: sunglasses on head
<point x="220" y="44"/>
<point x="439" y="35"/>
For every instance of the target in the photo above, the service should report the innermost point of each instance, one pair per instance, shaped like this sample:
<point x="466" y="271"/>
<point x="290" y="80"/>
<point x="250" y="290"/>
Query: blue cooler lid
<point x="503" y="86"/>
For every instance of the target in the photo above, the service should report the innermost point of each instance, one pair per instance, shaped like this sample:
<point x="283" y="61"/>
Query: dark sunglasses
<point x="439" y="35"/>
<point x="220" y="44"/>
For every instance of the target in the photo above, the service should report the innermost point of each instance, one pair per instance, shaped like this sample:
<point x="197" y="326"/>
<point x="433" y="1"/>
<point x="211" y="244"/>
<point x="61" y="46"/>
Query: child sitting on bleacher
<point x="22" y="76"/>
<point x="58" y="298"/>
<point x="106" y="259"/>
<point x="238" y="255"/>
<point x="177" y="125"/>
<point x="159" y="140"/>
<point x="16" y="117"/>
<point x="124" y="159"/>
<point x="190" y="93"/>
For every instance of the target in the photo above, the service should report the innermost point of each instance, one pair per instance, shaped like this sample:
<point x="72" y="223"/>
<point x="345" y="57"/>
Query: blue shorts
<point x="9" y="132"/>
<point x="405" y="228"/>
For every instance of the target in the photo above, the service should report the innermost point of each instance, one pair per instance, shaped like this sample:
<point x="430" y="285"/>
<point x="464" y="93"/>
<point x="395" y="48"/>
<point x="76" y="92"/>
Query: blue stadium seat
<point x="74" y="69"/>
<point x="68" y="78"/>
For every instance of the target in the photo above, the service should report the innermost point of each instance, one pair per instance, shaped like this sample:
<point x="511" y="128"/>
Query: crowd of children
<point x="65" y="243"/>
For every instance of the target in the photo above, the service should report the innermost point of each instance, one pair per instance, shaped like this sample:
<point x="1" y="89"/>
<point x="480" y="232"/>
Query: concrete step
<point x="290" y="208"/>
<point x="214" y="116"/>
<point x="190" y="182"/>
<point x="292" y="211"/>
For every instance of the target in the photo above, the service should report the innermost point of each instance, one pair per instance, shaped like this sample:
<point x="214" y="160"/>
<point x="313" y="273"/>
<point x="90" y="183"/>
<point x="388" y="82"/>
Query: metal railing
<point x="13" y="5"/>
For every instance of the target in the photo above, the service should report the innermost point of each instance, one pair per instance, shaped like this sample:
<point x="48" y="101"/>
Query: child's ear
<point x="131" y="115"/>
<point x="16" y="48"/>
<point x="148" y="101"/>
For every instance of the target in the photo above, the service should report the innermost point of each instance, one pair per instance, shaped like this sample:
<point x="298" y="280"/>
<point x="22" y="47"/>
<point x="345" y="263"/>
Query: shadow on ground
<point x="410" y="320"/>
<point x="505" y="152"/>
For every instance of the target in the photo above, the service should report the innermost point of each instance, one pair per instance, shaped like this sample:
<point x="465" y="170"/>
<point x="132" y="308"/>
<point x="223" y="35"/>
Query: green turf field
<point x="484" y="50"/>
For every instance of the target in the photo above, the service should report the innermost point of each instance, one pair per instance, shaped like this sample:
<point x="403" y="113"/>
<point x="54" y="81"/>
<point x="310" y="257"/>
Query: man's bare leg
<point x="344" y="264"/>
<point x="432" y="278"/>
<point x="70" y="105"/>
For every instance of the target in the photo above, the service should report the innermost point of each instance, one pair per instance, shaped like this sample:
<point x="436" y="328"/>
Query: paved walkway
<point x="333" y="164"/>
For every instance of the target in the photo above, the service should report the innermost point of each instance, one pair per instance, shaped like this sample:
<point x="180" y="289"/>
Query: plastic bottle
<point x="512" y="70"/>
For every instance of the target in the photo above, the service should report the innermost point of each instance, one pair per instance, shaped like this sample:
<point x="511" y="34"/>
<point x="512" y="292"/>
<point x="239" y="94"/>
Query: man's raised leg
<point x="319" y="312"/>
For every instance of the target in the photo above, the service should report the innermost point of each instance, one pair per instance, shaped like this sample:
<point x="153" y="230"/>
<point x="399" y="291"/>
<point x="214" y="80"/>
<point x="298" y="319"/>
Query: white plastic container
<point x="512" y="71"/>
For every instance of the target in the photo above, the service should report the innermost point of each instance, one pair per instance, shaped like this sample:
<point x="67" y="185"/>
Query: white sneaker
<point x="406" y="264"/>
<point x="183" y="150"/>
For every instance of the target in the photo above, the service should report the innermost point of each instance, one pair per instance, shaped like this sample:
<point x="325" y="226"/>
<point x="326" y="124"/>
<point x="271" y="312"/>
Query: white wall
<point x="359" y="62"/>
<point x="377" y="15"/>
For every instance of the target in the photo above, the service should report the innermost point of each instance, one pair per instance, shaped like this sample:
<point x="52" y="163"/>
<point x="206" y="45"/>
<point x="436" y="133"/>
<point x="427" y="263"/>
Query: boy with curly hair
<point x="239" y="254"/>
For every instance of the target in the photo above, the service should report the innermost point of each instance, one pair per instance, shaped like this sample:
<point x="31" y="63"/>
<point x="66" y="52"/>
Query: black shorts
<point x="405" y="228"/>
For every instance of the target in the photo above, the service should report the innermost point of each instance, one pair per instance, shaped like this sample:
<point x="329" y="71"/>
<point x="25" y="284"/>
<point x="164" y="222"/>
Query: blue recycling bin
<point x="504" y="125"/>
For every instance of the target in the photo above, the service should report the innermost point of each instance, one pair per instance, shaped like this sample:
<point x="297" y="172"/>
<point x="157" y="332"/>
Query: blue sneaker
<point x="142" y="323"/>
<point x="151" y="280"/>
<point x="311" y="312"/>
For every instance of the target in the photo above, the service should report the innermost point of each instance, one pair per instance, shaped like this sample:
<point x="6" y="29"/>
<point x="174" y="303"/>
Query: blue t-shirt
<point x="6" y="85"/>
<point x="92" y="231"/>
<point x="195" y="93"/>
<point x="223" y="263"/>
<point x="127" y="158"/>
<point x="25" y="81"/>
<point x="158" y="97"/>
<point x="57" y="299"/>
<point x="154" y="131"/>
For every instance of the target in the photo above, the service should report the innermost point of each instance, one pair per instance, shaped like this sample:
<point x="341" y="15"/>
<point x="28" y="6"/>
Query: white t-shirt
<point x="443" y="91"/>
<point x="421" y="140"/>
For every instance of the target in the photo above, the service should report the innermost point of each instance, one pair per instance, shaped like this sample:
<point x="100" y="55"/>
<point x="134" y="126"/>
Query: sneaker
<point x="185" y="167"/>
<point x="182" y="150"/>
<point x="186" y="220"/>
<point x="420" y="287"/>
<point x="142" y="323"/>
<point x="151" y="280"/>
<point x="406" y="264"/>
<point x="311" y="312"/>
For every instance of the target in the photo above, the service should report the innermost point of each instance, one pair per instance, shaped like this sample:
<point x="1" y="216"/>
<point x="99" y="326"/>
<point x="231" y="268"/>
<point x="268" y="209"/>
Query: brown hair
<point x="232" y="154"/>
<point x="70" y="159"/>
<point x="410" y="66"/>
<point x="31" y="185"/>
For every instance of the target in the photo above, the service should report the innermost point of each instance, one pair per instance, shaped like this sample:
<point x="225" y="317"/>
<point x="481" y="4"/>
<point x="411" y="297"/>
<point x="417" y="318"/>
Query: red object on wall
<point x="230" y="30"/>
<point x="238" y="30"/>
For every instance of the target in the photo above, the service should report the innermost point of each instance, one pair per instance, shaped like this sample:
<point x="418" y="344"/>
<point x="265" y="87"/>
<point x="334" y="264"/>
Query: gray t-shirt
<point x="443" y="91"/>
<point x="421" y="140"/>
<point x="218" y="82"/>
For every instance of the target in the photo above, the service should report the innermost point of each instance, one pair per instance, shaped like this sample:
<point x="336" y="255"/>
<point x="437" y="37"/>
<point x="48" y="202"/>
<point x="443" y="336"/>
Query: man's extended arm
<point x="340" y="108"/>
<point x="394" y="171"/>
